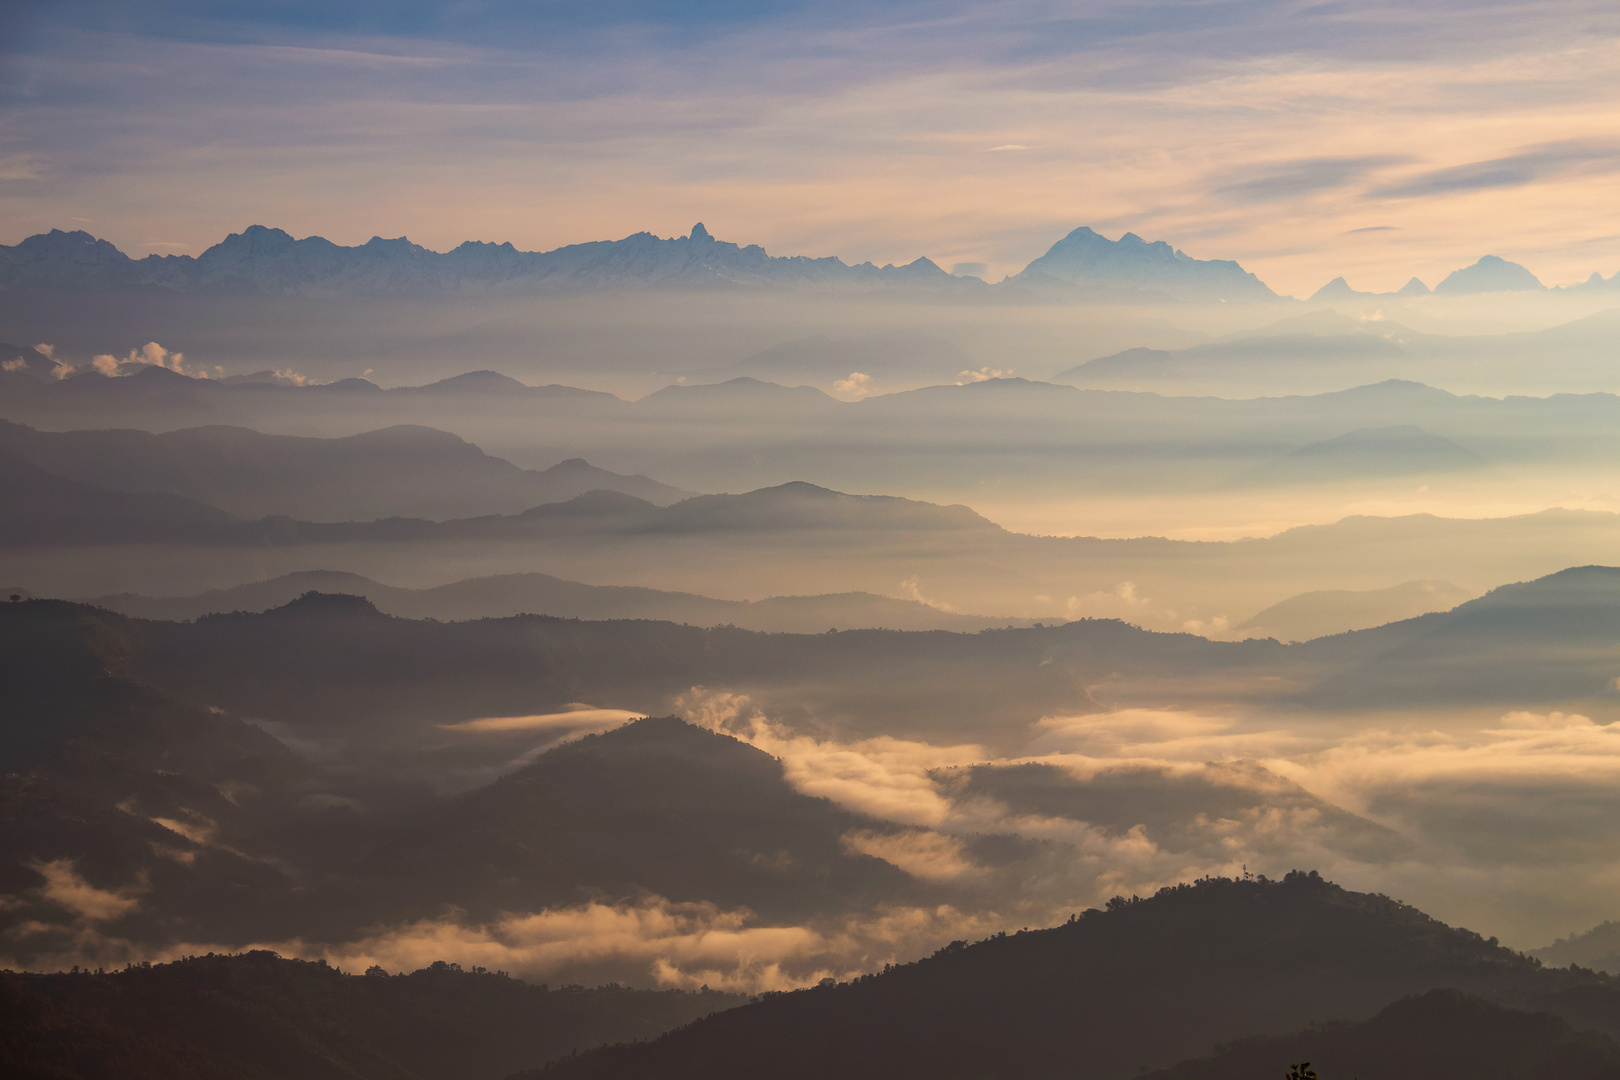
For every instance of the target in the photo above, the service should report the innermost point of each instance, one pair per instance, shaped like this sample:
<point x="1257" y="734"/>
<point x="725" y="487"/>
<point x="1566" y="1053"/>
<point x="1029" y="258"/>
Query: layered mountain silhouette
<point x="541" y="594"/>
<point x="746" y="433"/>
<point x="1337" y="611"/>
<point x="39" y="507"/>
<point x="402" y="471"/>
<point x="415" y="763"/>
<point x="1140" y="364"/>
<point x="325" y="660"/>
<point x="1393" y="450"/>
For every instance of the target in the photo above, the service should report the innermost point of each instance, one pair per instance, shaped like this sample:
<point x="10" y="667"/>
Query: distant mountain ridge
<point x="401" y="471"/>
<point x="1085" y="257"/>
<point x="268" y="260"/>
<point x="541" y="594"/>
<point x="1490" y="274"/>
<point x="1083" y="265"/>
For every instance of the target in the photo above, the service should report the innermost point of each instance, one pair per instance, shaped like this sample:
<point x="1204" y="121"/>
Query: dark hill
<point x="657" y="806"/>
<point x="256" y="1016"/>
<point x="1143" y="984"/>
<point x="1535" y="640"/>
<point x="1441" y="1035"/>
<point x="40" y="508"/>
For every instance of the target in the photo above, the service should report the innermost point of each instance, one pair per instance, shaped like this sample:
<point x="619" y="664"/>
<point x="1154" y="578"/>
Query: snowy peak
<point x="1492" y="274"/>
<point x="1087" y="258"/>
<point x="269" y="260"/>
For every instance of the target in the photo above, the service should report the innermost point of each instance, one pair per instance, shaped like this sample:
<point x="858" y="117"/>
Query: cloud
<point x="149" y="355"/>
<point x="1163" y="735"/>
<point x="858" y="385"/>
<point x="884" y="777"/>
<point x="1516" y="170"/>
<point x="984" y="374"/>
<point x="577" y="717"/>
<point x="911" y="590"/>
<point x="1282" y="181"/>
<point x="1433" y="810"/>
<point x="65" y="888"/>
<point x="929" y="856"/>
<point x="652" y="941"/>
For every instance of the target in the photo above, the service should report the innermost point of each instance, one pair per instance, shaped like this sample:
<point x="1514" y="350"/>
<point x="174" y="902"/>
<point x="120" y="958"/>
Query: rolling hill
<point x="1141" y="985"/>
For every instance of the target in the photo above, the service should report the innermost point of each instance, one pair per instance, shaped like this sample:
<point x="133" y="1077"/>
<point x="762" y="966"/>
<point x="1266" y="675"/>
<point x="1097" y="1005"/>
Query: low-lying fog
<point x="1250" y="472"/>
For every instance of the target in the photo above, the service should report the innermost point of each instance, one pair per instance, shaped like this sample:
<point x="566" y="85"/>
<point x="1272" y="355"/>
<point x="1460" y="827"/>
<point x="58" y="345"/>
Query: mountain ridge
<point x="1144" y="983"/>
<point x="269" y="260"/>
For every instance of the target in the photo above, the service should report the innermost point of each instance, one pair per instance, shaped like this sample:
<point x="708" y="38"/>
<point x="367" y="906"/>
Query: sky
<point x="1306" y="140"/>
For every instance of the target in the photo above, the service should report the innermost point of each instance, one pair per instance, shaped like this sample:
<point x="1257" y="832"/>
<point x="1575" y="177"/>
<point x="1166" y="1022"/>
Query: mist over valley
<point x="796" y="540"/>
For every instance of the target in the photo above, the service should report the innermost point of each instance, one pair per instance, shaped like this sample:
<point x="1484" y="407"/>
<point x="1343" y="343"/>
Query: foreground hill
<point x="1143" y="984"/>
<point x="1443" y="1035"/>
<point x="259" y="1017"/>
<point x="656" y="806"/>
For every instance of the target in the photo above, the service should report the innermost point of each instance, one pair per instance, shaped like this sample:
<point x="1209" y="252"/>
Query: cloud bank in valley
<point x="1429" y="808"/>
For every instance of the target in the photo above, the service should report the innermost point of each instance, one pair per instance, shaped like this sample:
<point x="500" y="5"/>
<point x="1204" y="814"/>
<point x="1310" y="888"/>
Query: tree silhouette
<point x="1302" y="1071"/>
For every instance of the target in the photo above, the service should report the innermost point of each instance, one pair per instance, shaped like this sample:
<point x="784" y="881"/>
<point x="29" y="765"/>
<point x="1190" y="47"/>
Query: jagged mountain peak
<point x="1490" y="274"/>
<point x="1087" y="258"/>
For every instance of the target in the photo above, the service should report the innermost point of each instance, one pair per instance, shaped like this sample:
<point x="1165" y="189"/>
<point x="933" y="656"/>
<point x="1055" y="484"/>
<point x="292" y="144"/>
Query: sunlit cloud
<point x="576" y="718"/>
<point x="649" y="942"/>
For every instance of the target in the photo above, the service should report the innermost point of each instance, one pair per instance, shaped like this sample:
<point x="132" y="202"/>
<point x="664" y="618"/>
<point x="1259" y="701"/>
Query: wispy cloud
<point x="1515" y="170"/>
<point x="1286" y="180"/>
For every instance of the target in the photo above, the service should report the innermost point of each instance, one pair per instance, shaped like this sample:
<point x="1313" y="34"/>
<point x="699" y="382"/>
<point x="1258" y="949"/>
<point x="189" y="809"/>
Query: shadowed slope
<point x="1144" y="983"/>
<point x="259" y="1017"/>
<point x="1441" y="1035"/>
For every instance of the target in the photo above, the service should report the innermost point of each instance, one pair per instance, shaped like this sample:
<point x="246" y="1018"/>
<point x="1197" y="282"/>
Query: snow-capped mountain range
<point x="1084" y="265"/>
